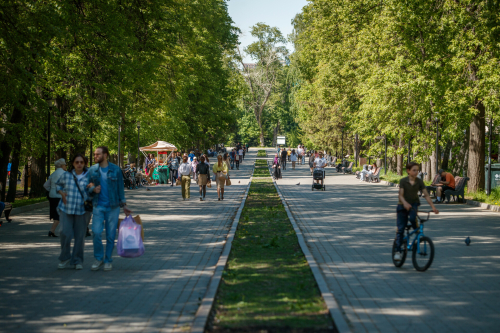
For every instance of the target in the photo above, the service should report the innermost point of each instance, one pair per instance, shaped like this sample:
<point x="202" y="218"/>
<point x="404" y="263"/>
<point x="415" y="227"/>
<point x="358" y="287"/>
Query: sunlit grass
<point x="27" y="201"/>
<point x="267" y="281"/>
<point x="493" y="199"/>
<point x="261" y="153"/>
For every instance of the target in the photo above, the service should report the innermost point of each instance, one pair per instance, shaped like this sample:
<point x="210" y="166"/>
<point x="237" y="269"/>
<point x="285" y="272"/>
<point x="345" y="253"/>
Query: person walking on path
<point x="240" y="153"/>
<point x="232" y="155"/>
<point x="283" y="158"/>
<point x="174" y="167"/>
<point x="54" y="196"/>
<point x="237" y="160"/>
<point x="191" y="156"/>
<point x="185" y="172"/>
<point x="194" y="163"/>
<point x="312" y="157"/>
<point x="319" y="164"/>
<point x="106" y="182"/>
<point x="300" y="154"/>
<point x="408" y="203"/>
<point x="203" y="173"/>
<point x="220" y="170"/>
<point x="293" y="158"/>
<point x="72" y="187"/>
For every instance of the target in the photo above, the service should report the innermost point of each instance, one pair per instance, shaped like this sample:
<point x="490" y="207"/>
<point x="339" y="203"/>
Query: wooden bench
<point x="460" y="183"/>
<point x="375" y="176"/>
<point x="432" y="189"/>
<point x="348" y="169"/>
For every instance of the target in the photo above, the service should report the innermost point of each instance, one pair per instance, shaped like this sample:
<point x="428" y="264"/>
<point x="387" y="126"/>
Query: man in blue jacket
<point x="106" y="183"/>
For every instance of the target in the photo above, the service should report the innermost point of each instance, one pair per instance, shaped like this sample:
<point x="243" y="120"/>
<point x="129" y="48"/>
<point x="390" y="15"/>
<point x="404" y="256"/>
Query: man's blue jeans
<point x="104" y="216"/>
<point x="403" y="217"/>
<point x="232" y="163"/>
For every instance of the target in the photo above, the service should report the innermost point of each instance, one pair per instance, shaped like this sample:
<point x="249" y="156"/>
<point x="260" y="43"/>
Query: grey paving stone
<point x="350" y="228"/>
<point x="159" y="291"/>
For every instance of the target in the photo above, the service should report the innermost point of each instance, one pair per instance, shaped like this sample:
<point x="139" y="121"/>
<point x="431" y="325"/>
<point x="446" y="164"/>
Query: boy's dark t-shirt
<point x="410" y="192"/>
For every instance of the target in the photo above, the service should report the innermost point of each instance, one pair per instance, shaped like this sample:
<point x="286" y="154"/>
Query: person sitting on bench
<point x="447" y="183"/>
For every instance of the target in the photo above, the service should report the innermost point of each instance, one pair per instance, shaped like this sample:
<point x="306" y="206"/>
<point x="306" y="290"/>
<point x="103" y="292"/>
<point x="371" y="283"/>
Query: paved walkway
<point x="158" y="292"/>
<point x="350" y="228"/>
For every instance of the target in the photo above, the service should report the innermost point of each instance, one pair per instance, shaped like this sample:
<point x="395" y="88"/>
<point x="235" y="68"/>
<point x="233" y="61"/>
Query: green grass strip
<point x="267" y="283"/>
<point x="27" y="201"/>
<point x="261" y="153"/>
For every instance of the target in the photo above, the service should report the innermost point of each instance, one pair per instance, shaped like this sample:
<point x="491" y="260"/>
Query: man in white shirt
<point x="300" y="153"/>
<point x="240" y="153"/>
<point x="319" y="164"/>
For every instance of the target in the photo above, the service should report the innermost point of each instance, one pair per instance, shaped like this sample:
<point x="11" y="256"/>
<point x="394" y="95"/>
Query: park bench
<point x="348" y="169"/>
<point x="375" y="176"/>
<point x="460" y="183"/>
<point x="432" y="189"/>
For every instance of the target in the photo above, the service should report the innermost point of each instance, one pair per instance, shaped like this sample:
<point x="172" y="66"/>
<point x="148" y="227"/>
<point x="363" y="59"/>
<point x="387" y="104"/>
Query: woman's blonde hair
<point x="219" y="160"/>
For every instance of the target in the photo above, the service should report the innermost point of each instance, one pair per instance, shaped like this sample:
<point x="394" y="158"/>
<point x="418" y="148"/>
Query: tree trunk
<point x="434" y="170"/>
<point x="477" y="145"/>
<point x="38" y="175"/>
<point x="6" y="148"/>
<point x="428" y="169"/>
<point x="24" y="179"/>
<point x="446" y="156"/>
<point x="400" y="158"/>
<point x="261" y="137"/>
<point x="11" y="195"/>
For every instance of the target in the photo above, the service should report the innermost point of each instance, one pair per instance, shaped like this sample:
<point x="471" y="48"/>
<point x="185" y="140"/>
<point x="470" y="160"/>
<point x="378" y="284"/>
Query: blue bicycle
<point x="421" y="246"/>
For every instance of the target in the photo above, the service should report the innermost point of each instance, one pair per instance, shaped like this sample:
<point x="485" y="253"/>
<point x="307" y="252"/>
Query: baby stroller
<point x="318" y="174"/>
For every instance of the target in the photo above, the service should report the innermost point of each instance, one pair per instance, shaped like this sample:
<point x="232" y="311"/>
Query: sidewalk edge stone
<point x="201" y="317"/>
<point x="331" y="303"/>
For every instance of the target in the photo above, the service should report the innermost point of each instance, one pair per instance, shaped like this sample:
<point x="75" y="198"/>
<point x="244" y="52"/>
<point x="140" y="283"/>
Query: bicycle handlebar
<point x="428" y="216"/>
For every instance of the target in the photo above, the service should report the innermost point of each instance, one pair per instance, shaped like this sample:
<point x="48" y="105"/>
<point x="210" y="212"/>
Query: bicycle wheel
<point x="403" y="253"/>
<point x="423" y="254"/>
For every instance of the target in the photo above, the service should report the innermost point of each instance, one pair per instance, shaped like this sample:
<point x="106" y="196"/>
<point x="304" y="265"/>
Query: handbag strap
<point x="78" y="186"/>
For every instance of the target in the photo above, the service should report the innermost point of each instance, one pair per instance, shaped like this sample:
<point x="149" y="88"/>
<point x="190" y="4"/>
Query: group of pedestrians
<point x="82" y="194"/>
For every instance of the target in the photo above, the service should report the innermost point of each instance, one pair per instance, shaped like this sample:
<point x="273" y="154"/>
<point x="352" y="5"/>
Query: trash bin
<point x="495" y="175"/>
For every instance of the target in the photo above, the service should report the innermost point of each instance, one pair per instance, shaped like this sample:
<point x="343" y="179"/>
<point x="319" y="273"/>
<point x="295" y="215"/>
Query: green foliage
<point x="261" y="153"/>
<point x="391" y="68"/>
<point x="161" y="63"/>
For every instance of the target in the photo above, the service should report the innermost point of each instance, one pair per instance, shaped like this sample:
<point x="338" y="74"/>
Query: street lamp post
<point x="490" y="135"/>
<point x="409" y="142"/>
<point x="138" y="143"/>
<point x="385" y="158"/>
<point x="119" y="130"/>
<point x="50" y="103"/>
<point x="342" y="152"/>
<point x="369" y="157"/>
<point x="437" y="144"/>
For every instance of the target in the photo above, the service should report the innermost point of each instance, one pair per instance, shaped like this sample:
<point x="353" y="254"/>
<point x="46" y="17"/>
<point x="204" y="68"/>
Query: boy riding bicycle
<point x="409" y="202"/>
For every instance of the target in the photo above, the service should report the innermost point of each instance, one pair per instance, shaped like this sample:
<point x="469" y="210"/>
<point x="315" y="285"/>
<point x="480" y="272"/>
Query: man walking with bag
<point x="106" y="184"/>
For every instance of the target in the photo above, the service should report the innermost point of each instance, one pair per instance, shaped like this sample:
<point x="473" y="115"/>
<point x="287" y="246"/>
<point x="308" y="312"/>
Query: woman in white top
<point x="55" y="197"/>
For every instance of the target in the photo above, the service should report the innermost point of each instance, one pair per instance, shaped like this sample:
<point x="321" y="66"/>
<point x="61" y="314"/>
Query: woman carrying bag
<point x="203" y="173"/>
<point x="220" y="170"/>
<point x="72" y="186"/>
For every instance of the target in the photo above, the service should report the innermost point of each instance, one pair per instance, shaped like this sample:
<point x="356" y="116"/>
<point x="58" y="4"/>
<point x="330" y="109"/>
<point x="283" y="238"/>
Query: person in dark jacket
<point x="203" y="174"/>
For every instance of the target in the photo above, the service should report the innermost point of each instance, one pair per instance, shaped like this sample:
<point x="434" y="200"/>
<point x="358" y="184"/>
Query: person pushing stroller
<point x="319" y="164"/>
<point x="276" y="167"/>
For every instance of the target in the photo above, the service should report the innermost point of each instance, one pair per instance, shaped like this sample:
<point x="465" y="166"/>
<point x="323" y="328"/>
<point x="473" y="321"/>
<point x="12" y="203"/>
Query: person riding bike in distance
<point x="319" y="164"/>
<point x="408" y="203"/>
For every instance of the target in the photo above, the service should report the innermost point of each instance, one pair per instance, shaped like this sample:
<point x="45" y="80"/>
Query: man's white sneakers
<point x="397" y="256"/>
<point x="108" y="266"/>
